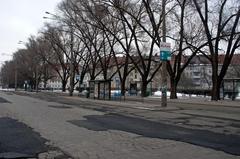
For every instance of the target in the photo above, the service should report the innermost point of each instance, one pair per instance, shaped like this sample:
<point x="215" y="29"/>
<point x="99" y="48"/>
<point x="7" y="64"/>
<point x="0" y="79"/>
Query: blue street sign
<point x="165" y="51"/>
<point x="165" y="55"/>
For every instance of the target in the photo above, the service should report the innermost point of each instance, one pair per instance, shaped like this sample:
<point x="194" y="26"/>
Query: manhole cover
<point x="60" y="106"/>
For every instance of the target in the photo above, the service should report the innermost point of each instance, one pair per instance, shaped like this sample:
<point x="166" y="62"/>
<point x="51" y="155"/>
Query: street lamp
<point x="20" y="42"/>
<point x="54" y="17"/>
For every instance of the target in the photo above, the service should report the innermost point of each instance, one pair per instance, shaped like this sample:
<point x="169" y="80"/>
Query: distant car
<point x="159" y="93"/>
<point x="116" y="93"/>
<point x="84" y="92"/>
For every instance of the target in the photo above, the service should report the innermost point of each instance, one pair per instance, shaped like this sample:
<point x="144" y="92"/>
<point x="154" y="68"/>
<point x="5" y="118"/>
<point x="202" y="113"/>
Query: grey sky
<point x="19" y="20"/>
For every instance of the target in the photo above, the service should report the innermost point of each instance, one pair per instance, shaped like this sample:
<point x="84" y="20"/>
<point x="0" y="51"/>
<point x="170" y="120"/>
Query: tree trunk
<point x="72" y="83"/>
<point x="218" y="88"/>
<point x="45" y="84"/>
<point x="123" y="86"/>
<point x="71" y="86"/>
<point x="144" y="88"/>
<point x="64" y="83"/>
<point x="82" y="78"/>
<point x="215" y="90"/>
<point x="173" y="88"/>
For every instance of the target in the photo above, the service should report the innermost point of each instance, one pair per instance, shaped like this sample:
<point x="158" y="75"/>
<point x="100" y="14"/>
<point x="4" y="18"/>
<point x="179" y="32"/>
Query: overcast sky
<point x="19" y="20"/>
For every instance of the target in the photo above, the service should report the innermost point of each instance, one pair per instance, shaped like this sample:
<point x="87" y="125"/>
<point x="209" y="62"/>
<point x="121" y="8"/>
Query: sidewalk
<point x="151" y="102"/>
<point x="154" y="103"/>
<point x="137" y="103"/>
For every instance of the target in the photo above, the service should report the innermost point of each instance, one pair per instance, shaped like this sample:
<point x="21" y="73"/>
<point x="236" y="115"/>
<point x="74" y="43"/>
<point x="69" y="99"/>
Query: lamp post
<point x="72" y="73"/>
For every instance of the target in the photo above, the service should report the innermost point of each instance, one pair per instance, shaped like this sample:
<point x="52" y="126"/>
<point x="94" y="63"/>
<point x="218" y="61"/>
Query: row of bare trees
<point x="91" y="36"/>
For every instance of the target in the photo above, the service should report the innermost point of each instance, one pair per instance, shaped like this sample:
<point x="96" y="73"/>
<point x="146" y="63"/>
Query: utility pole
<point x="71" y="63"/>
<point x="164" y="63"/>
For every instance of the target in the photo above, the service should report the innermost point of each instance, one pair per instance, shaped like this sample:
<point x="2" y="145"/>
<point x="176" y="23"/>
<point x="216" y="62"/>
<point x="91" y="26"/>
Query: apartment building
<point x="200" y="70"/>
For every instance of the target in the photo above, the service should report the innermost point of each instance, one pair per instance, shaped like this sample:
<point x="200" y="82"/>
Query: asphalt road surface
<point x="92" y="129"/>
<point x="17" y="140"/>
<point x="227" y="143"/>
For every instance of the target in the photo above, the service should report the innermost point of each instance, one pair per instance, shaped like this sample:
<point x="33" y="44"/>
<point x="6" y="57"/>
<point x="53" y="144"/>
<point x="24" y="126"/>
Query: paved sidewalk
<point x="187" y="100"/>
<point x="153" y="103"/>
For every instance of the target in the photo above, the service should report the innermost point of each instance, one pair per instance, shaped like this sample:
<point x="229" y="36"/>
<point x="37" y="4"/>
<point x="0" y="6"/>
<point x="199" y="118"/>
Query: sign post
<point x="165" y="51"/>
<point x="165" y="55"/>
<point x="164" y="62"/>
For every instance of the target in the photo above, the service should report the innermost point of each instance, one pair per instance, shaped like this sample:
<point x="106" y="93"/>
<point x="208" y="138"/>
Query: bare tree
<point x="45" y="51"/>
<point x="56" y="59"/>
<point x="221" y="25"/>
<point x="133" y="24"/>
<point x="7" y="74"/>
<point x="187" y="36"/>
<point x="142" y="38"/>
<point x="96" y="41"/>
<point x="119" y="38"/>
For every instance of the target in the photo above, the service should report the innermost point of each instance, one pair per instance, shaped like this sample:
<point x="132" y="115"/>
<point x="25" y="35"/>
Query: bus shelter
<point x="100" y="89"/>
<point x="231" y="87"/>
